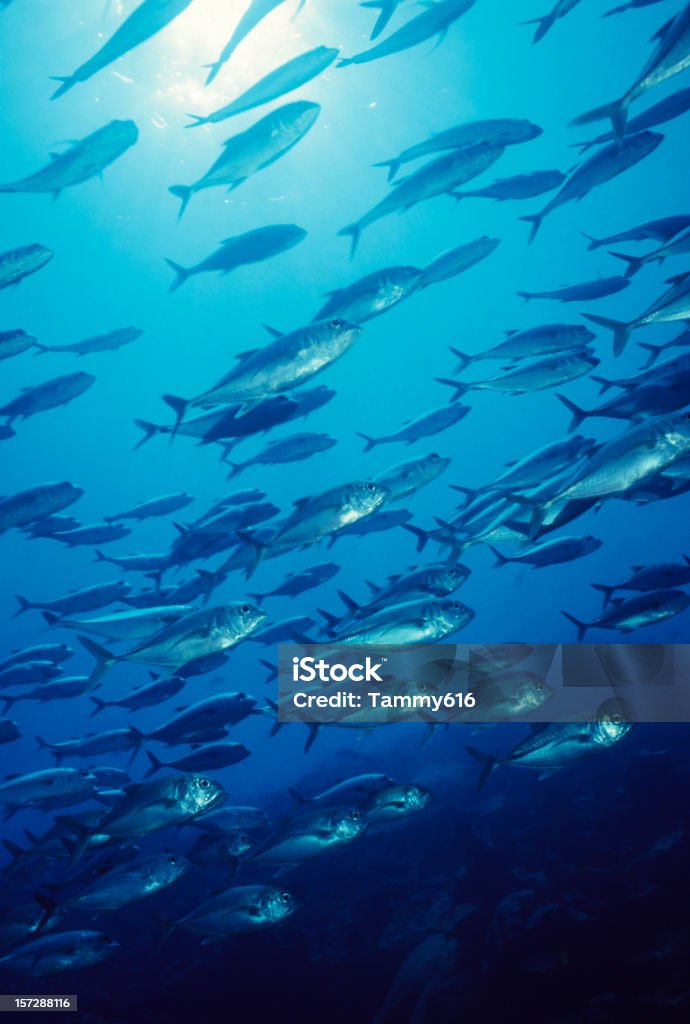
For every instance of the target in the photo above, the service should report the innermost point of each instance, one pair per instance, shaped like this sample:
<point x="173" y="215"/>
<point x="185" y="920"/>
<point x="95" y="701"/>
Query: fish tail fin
<point x="354" y="231"/>
<point x="235" y="468"/>
<point x="51" y="618"/>
<point x="370" y="442"/>
<point x="578" y="414"/>
<point x="100" y="705"/>
<point x="535" y="219"/>
<point x="104" y="660"/>
<point x="488" y="763"/>
<point x="155" y="764"/>
<point x="621" y="331"/>
<point x="460" y="387"/>
<point x="150" y="430"/>
<point x="616" y="112"/>
<point x="543" y="25"/>
<point x="392" y="165"/>
<point x="313" y="728"/>
<point x="259" y="549"/>
<point x="387" y="9"/>
<point x="213" y="70"/>
<point x="582" y="627"/>
<point x="272" y="670"/>
<point x="48" y="906"/>
<point x="635" y="263"/>
<point x="615" y="10"/>
<point x="66" y="83"/>
<point x="501" y="560"/>
<point x="605" y="590"/>
<point x="184" y="194"/>
<point x="463" y="359"/>
<point x="421" y="535"/>
<point x="594" y="243"/>
<point x="196" y="120"/>
<point x="181" y="274"/>
<point x="596" y="114"/>
<point x="654" y="353"/>
<point x="179" y="406"/>
<point x="526" y="296"/>
<point x="605" y="384"/>
<point x="24" y="605"/>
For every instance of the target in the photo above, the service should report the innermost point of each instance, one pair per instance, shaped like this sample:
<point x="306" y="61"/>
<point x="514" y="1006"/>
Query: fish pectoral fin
<point x="548" y="772"/>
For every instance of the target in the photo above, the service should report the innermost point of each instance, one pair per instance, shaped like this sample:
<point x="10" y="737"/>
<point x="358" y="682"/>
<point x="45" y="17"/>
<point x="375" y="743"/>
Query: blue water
<point x="603" y="925"/>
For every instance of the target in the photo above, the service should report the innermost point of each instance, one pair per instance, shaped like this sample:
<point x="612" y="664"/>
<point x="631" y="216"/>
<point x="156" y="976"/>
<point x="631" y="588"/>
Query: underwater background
<point x="558" y="900"/>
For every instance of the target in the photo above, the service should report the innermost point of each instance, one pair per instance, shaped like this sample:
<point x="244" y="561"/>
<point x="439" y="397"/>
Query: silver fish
<point x="549" y="339"/>
<point x="255" y="13"/>
<point x="13" y="343"/>
<point x="61" y="951"/>
<point x="49" y="784"/>
<point x="457" y="261"/>
<point x="132" y="624"/>
<point x="148" y="696"/>
<point x="519" y="186"/>
<point x="244" y="908"/>
<point x="645" y="610"/>
<point x="661" y="230"/>
<point x="144" y="22"/>
<point x="252" y="150"/>
<point x="17" y="264"/>
<point x="23" y="508"/>
<point x="420" y="621"/>
<point x="435" y="21"/>
<point x="50" y="395"/>
<point x="84" y="159"/>
<point x="251" y="247"/>
<point x="285" y="79"/>
<point x="311" y="834"/>
<point x="528" y="377"/>
<point x="294" y="448"/>
<point x="409" y="476"/>
<point x="585" y="292"/>
<point x="551" y="552"/>
<point x="109" y="342"/>
<point x="652" y="577"/>
<point x="372" y="295"/>
<point x="672" y="306"/>
<point x="424" y="426"/>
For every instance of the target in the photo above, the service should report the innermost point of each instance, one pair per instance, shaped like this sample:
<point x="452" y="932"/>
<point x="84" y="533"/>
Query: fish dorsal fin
<point x="677" y="278"/>
<point x="273" y="331"/>
<point x="637" y="568"/>
<point x="301" y="502"/>
<point x="660" y="33"/>
<point x="245" y="355"/>
<point x="510" y="333"/>
<point x="182" y="530"/>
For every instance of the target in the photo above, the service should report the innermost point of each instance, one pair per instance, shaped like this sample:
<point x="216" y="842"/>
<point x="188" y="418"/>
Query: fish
<point x="150" y="806"/>
<point x="294" y="448"/>
<point x="661" y="230"/>
<point x="311" y="834"/>
<point x="430" y="423"/>
<point x="551" y="552"/>
<point x="244" y="908"/>
<point x="648" y="401"/>
<point x="604" y="165"/>
<point x="205" y="720"/>
<point x="372" y="295"/>
<point x="252" y="150"/>
<point x="528" y="377"/>
<point x="108" y="342"/>
<point x="233" y="819"/>
<point x="625" y="616"/>
<point x="13" y="343"/>
<point x="548" y="339"/>
<point x="423" y="975"/>
<point x="678" y="246"/>
<point x="145" y="21"/>
<point x="28" y="672"/>
<point x="280" y="366"/>
<point x="668" y="109"/>
<point x="585" y="292"/>
<point x="496" y="132"/>
<point x="65" y="689"/>
<point x="518" y="186"/>
<point x="51" y="394"/>
<point x="277" y="83"/>
<point x="672" y="306"/>
<point x="21" y="922"/>
<point x="665" y="576"/>
<point x="211" y="757"/>
<point x="442" y="175"/>
<point x="122" y="886"/>
<point x="84" y="600"/>
<point x="134" y="563"/>
<point x="670" y="57"/>
<point x="296" y="583"/>
<point x="147" y="696"/>
<point x="434" y="21"/>
<point x="17" y="264"/>
<point x="503" y="697"/>
<point x="84" y="159"/>
<point x="426" y="620"/>
<point x="131" y="624"/>
<point x="24" y="507"/>
<point x="631" y="5"/>
<point x="93" y="533"/>
<point x="47" y="785"/>
<point x="201" y="585"/>
<point x="255" y="13"/>
<point x="456" y="261"/>
<point x="553" y="746"/>
<point x="61" y="951"/>
<point x="51" y="525"/>
<point x="395" y="801"/>
<point x="162" y="506"/>
<point x="94" y="744"/>
<point x="546" y="23"/>
<point x="187" y="639"/>
<point x="410" y="476"/>
<point x="251" y="247"/>
<point x="57" y="653"/>
<point x="353" y="791"/>
<point x="387" y="519"/>
<point x="533" y="469"/>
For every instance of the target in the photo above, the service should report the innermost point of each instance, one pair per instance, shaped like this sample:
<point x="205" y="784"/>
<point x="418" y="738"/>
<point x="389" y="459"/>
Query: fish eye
<point x="172" y="859"/>
<point x="540" y="687"/>
<point x="285" y="897"/>
<point x="616" y="719"/>
<point x="434" y="457"/>
<point x="356" y="815"/>
<point x="245" y="609"/>
<point x="370" y="487"/>
<point x="335" y="324"/>
<point x="204" y="783"/>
